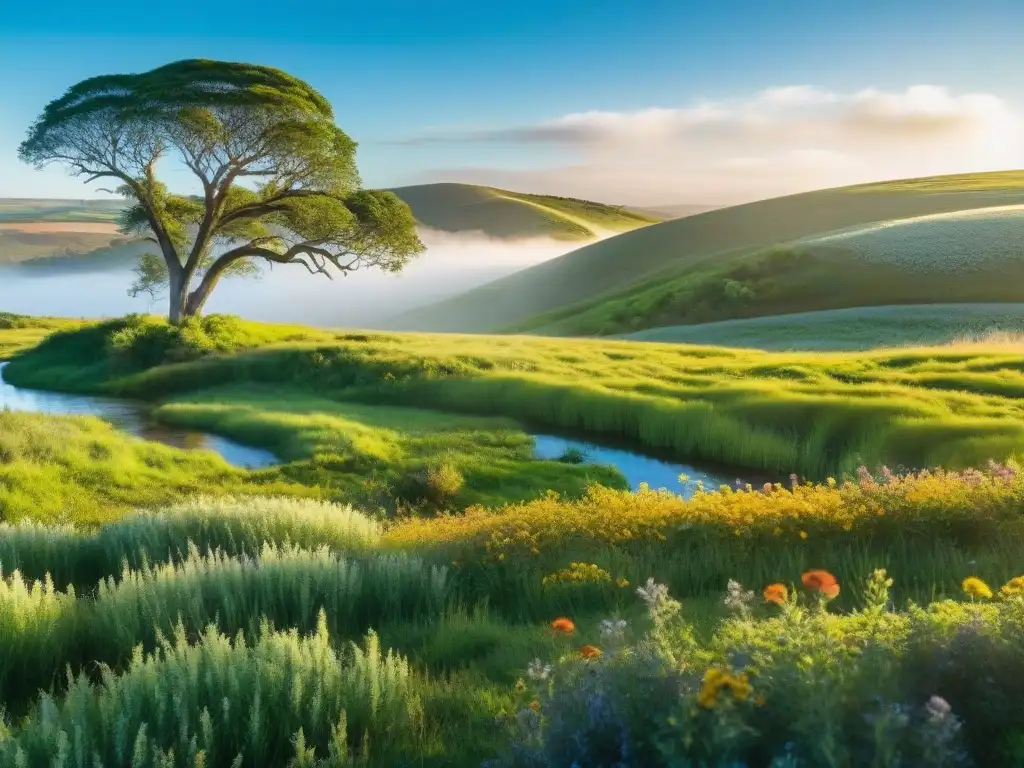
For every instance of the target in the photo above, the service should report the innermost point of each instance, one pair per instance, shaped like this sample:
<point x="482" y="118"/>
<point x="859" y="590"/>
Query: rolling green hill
<point x="857" y="328"/>
<point x="763" y="258"/>
<point x="504" y="214"/>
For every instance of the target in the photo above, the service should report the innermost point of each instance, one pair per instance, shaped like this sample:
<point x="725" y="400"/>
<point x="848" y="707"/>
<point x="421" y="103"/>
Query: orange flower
<point x="776" y="593"/>
<point x="590" y="651"/>
<point x="563" y="625"/>
<point x="821" y="581"/>
<point x="535" y="705"/>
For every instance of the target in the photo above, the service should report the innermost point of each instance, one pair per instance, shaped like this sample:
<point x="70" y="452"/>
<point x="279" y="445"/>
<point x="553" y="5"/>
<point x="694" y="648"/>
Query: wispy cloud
<point x="779" y="140"/>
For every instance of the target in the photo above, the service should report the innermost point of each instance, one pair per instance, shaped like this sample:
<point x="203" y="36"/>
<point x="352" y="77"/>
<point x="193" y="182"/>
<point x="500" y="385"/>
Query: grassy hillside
<point x="698" y="269"/>
<point x="858" y="328"/>
<point x="813" y="414"/>
<point x="500" y="213"/>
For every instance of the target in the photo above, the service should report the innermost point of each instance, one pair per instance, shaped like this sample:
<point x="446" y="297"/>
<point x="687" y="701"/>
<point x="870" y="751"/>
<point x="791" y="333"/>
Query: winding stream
<point x="637" y="467"/>
<point x="132" y="417"/>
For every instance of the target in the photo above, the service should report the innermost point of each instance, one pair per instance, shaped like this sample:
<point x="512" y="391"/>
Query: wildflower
<point x="716" y="680"/>
<point x="803" y="534"/>
<point x="520" y="685"/>
<point x="736" y="598"/>
<point x="578" y="573"/>
<point x="535" y="705"/>
<point x="564" y="626"/>
<point x="611" y="628"/>
<point x="590" y="651"/>
<point x="976" y="588"/>
<point x="821" y="581"/>
<point x="937" y="709"/>
<point x="652" y="593"/>
<point x="776" y="593"/>
<point x="1013" y="587"/>
<point x="622" y="582"/>
<point x="538" y="670"/>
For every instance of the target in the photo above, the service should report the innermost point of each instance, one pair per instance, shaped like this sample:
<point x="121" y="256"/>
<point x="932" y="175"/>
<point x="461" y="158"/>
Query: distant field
<point x="90" y="227"/>
<point x="702" y="268"/>
<point x="859" y="328"/>
<point x="504" y="214"/>
<point x="31" y="210"/>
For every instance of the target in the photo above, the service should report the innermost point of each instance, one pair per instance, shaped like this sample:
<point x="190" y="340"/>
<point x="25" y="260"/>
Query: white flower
<point x="652" y="593"/>
<point x="613" y="628"/>
<point x="538" y="670"/>
<point x="736" y="599"/>
<point x="937" y="708"/>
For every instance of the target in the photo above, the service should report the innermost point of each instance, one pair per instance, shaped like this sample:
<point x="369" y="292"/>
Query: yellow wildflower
<point x="716" y="680"/>
<point x="520" y="685"/>
<point x="976" y="588"/>
<point x="1013" y="587"/>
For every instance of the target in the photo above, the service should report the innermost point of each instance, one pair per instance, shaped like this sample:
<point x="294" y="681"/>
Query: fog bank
<point x="452" y="263"/>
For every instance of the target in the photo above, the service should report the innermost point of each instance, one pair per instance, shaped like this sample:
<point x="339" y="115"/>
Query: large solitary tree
<point x="275" y="178"/>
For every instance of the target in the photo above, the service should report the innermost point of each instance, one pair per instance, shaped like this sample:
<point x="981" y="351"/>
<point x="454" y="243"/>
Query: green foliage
<point x="47" y="631"/>
<point x="71" y="555"/>
<point x="221" y="702"/>
<point x="81" y="470"/>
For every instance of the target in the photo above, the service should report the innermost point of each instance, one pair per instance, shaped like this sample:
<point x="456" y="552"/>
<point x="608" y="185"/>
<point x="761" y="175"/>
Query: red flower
<point x="564" y="626"/>
<point x="590" y="651"/>
<point x="821" y="581"/>
<point x="776" y="593"/>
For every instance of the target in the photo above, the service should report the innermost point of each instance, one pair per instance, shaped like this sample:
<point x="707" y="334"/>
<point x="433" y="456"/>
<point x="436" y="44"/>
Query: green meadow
<point x="390" y="592"/>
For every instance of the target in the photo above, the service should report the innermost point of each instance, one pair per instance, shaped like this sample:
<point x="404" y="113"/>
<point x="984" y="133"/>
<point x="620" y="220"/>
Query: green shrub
<point x="236" y="526"/>
<point x="42" y="631"/>
<point x="221" y="703"/>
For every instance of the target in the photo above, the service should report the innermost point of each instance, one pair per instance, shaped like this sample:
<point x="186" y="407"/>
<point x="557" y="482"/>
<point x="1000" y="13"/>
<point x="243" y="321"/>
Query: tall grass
<point x="221" y="702"/>
<point x="81" y="470"/>
<point x="235" y="526"/>
<point x="814" y="414"/>
<point x="45" y="631"/>
<point x="383" y="457"/>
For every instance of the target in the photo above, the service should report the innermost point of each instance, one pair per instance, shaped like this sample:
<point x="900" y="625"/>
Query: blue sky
<point x="469" y="75"/>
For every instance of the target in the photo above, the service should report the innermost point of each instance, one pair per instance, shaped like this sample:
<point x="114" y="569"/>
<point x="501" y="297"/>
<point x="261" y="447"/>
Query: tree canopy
<point x="276" y="177"/>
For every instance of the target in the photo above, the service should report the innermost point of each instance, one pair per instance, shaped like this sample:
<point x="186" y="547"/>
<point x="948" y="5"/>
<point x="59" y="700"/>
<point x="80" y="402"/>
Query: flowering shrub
<point x="578" y="573"/>
<point x="785" y="681"/>
<point x="970" y="505"/>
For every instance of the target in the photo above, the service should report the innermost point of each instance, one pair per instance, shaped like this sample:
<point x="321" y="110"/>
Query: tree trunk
<point x="196" y="300"/>
<point x="178" y="290"/>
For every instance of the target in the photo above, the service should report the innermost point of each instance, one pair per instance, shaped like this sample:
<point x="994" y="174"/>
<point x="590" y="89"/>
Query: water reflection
<point x="636" y="467"/>
<point x="132" y="417"/>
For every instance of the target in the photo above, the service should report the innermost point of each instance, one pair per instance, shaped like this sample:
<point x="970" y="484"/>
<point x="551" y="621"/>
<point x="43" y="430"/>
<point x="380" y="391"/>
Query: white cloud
<point x="780" y="140"/>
